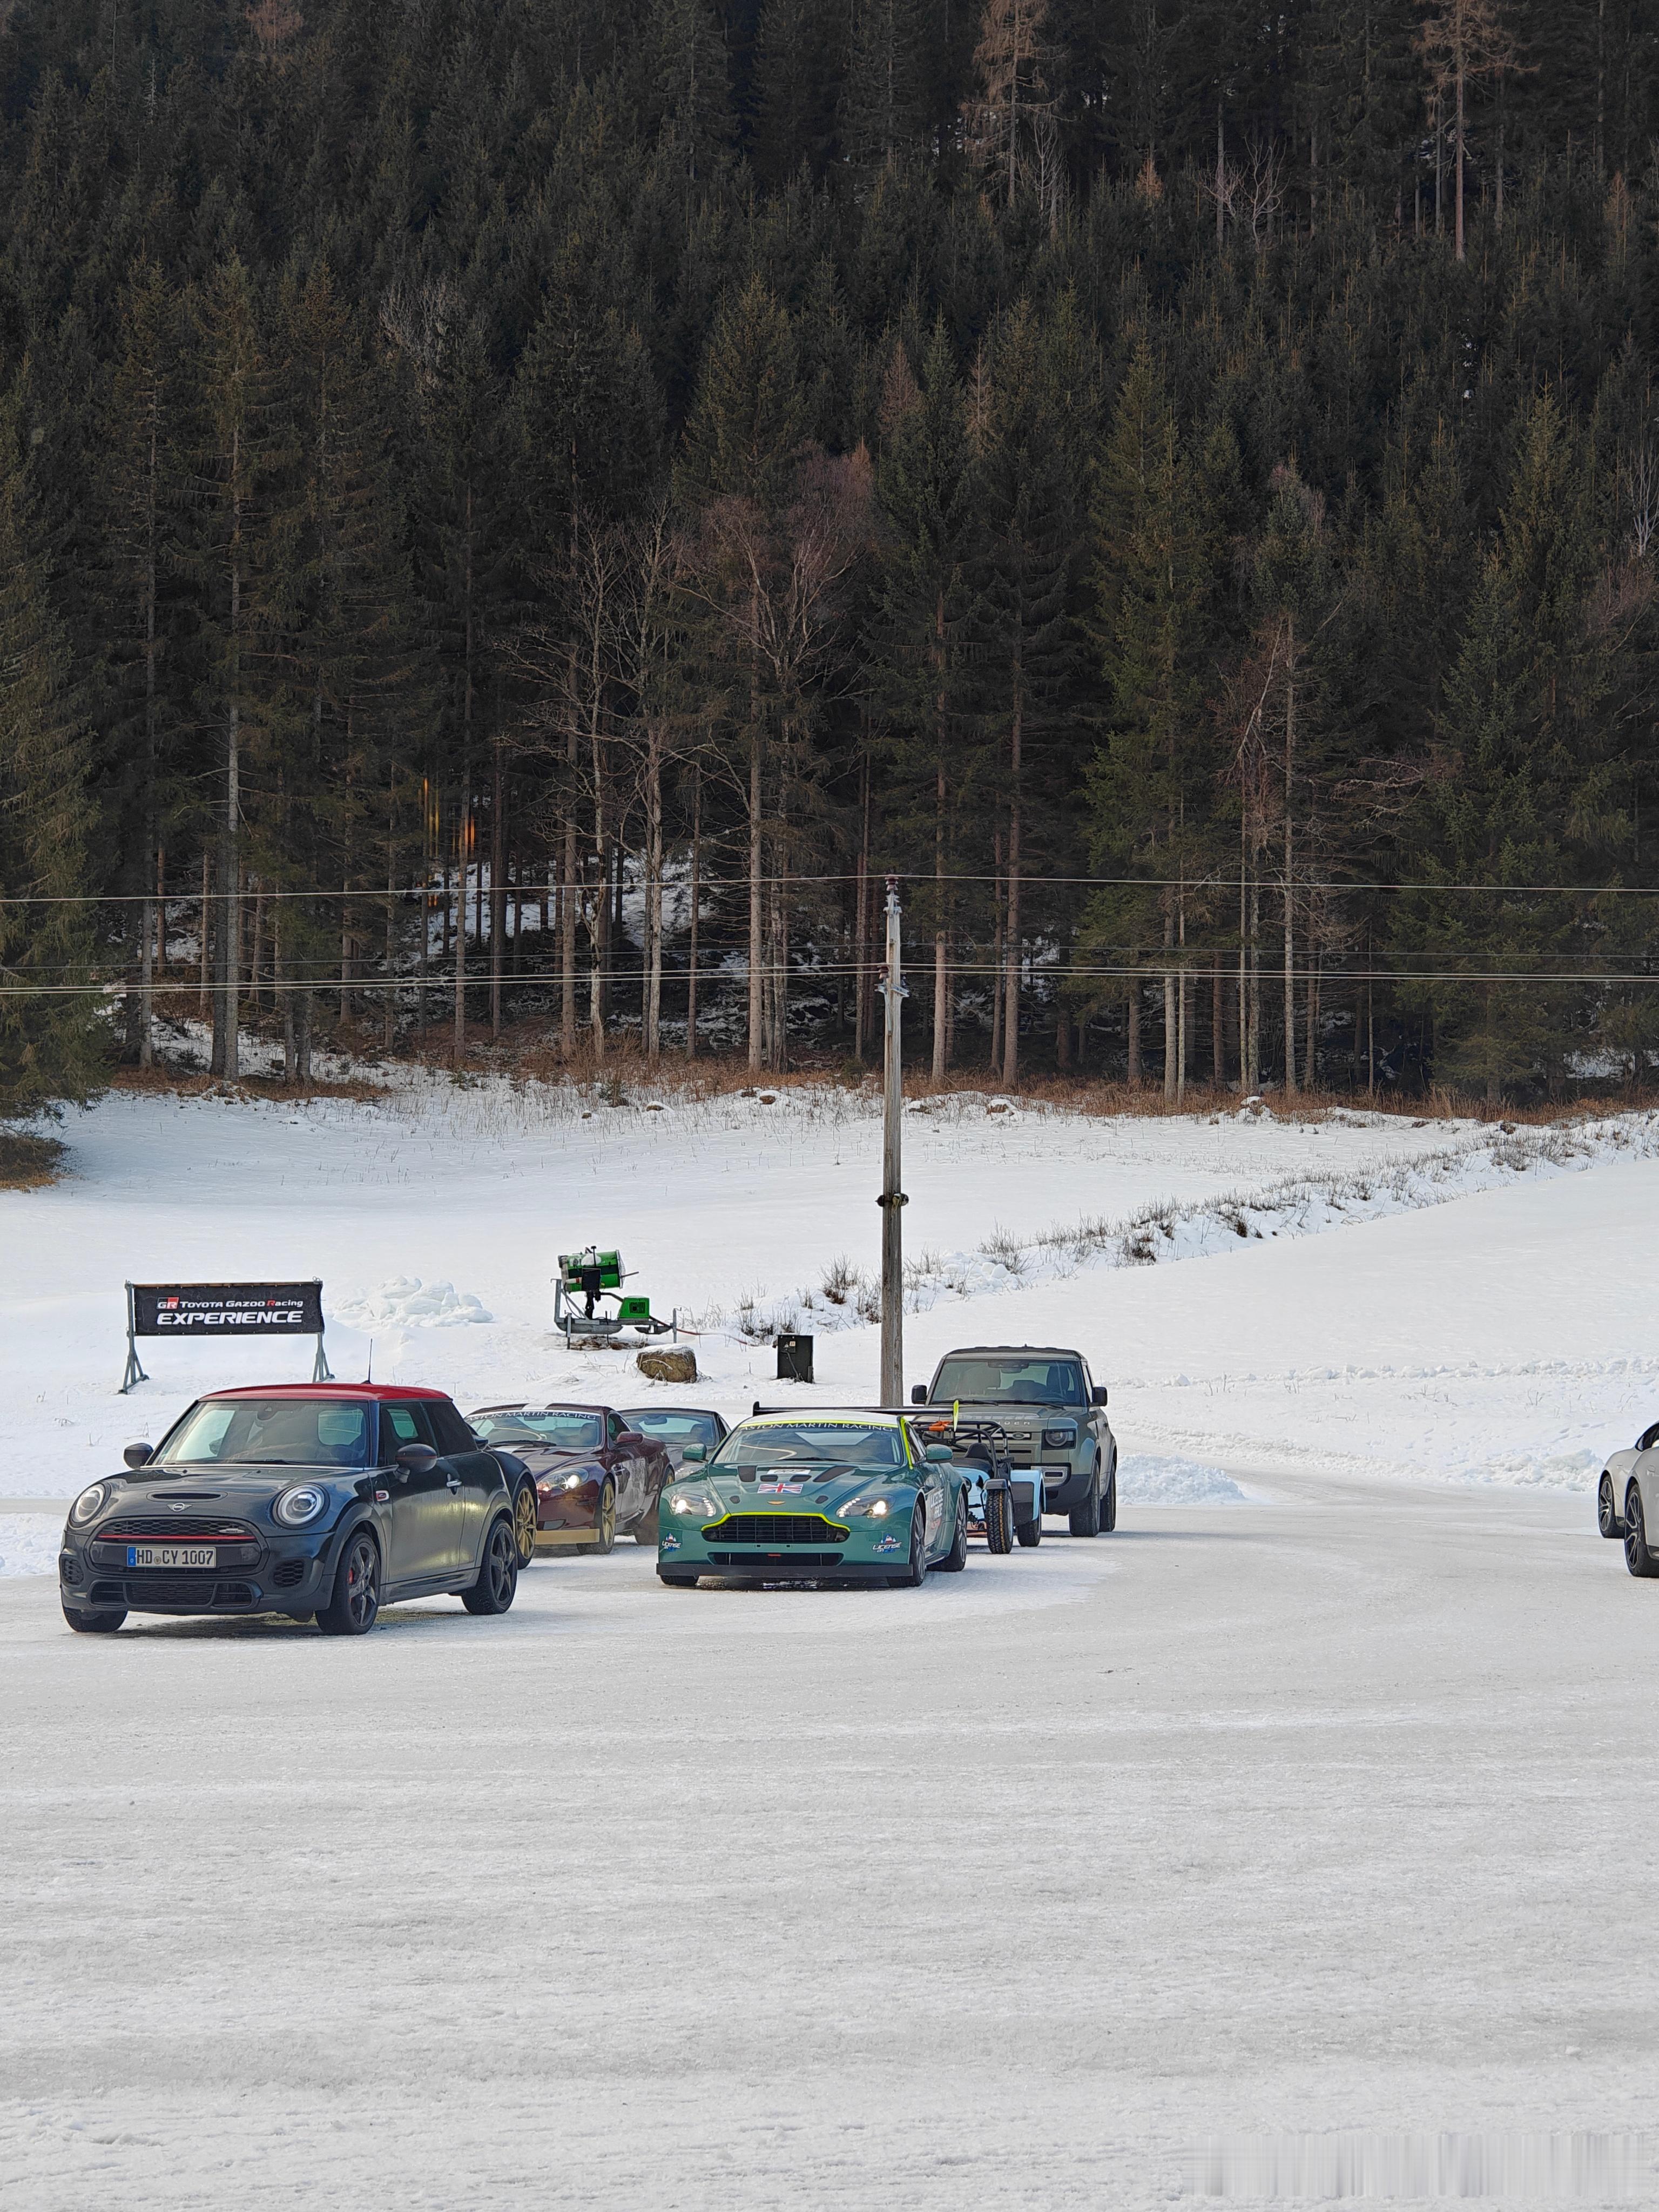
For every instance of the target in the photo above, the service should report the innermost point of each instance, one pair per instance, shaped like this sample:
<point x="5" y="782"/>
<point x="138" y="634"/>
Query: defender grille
<point x="774" y="1529"/>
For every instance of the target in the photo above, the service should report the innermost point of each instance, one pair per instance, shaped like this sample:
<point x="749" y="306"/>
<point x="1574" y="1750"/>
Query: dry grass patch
<point x="29" y="1163"/>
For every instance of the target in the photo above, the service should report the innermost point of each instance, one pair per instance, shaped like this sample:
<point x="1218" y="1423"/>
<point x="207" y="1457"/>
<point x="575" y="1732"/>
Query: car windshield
<point x="554" y="1428"/>
<point x="990" y="1379"/>
<point x="811" y="1444"/>
<point x="270" y="1433"/>
<point x="675" y="1428"/>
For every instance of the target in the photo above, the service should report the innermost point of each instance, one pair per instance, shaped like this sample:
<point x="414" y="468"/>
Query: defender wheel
<point x="354" y="1605"/>
<point x="916" y="1573"/>
<point x="498" y="1577"/>
<point x="1638" y="1557"/>
<point x="1607" y="1516"/>
<point x="675" y="1581"/>
<point x="1029" y="1534"/>
<point x="93" y="1624"/>
<point x="524" y="1522"/>
<point x="1085" y="1520"/>
<point x="999" y="1521"/>
<point x="1108" y="1504"/>
<point x="956" y="1558"/>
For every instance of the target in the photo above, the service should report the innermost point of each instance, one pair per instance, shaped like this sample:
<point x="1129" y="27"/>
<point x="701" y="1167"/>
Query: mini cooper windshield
<point x="812" y="1443"/>
<point x="270" y="1433"/>
<point x="994" y="1381"/>
<point x="550" y="1426"/>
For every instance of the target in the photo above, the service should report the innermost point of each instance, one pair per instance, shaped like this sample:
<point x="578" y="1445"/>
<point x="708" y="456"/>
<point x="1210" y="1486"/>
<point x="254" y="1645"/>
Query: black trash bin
<point x="794" y="1359"/>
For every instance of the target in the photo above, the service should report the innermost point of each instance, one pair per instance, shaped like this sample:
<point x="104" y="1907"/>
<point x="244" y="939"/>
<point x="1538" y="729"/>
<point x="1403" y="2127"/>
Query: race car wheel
<point x="1638" y="1557"/>
<point x="93" y="1624"/>
<point x="1029" y="1533"/>
<point x="1108" y="1504"/>
<point x="354" y="1605"/>
<point x="524" y="1522"/>
<point x="1000" y="1521"/>
<point x="916" y="1573"/>
<point x="1606" y="1514"/>
<point x="956" y="1558"/>
<point x="675" y="1580"/>
<point x="1086" y="1518"/>
<point x="498" y="1576"/>
<point x="604" y="1522"/>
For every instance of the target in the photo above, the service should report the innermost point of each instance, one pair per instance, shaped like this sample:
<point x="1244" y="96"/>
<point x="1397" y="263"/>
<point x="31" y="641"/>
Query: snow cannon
<point x="590" y="1305"/>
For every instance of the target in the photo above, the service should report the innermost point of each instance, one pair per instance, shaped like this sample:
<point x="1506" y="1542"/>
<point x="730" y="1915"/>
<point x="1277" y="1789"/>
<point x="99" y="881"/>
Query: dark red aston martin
<point x="595" y="1476"/>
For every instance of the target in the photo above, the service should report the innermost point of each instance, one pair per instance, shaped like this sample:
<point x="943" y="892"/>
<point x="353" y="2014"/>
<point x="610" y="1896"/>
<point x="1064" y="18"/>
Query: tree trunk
<point x="497" y="888"/>
<point x="999" y="898"/>
<point x="652" y="1018"/>
<point x="757" y="909"/>
<point x="1459" y="152"/>
<point x="1134" y="1033"/>
<point x="1170" y="1048"/>
<point x="1218" y="1026"/>
<point x="227" y="1009"/>
<point x="1290" y="871"/>
<point x="862" y="978"/>
<point x="567" y="910"/>
<point x="1011" y="951"/>
<point x="941" y="965"/>
<point x="462" y="822"/>
<point x="696" y="902"/>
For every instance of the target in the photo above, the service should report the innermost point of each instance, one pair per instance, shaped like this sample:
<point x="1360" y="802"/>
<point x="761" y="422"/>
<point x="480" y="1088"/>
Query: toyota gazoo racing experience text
<point x="323" y="1501"/>
<point x="836" y="1497"/>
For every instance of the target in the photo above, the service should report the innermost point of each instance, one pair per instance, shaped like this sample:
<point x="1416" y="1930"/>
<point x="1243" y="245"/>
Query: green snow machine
<point x="590" y="1305"/>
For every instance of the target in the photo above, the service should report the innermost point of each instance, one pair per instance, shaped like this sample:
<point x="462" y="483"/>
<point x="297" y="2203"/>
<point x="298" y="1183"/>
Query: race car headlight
<point x="87" y="1504"/>
<point x="867" y="1509"/>
<point x="691" y="1501"/>
<point x="1063" y="1433"/>
<point x="300" y="1507"/>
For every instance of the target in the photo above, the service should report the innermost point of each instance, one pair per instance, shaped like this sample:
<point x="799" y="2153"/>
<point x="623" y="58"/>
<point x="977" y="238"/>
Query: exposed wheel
<point x="498" y="1576"/>
<point x="1108" y="1504"/>
<point x="93" y="1624"/>
<point x="956" y="1558"/>
<point x="524" y="1522"/>
<point x="1606" y="1514"/>
<point x="676" y="1578"/>
<point x="916" y="1573"/>
<point x="604" y="1522"/>
<point x="1086" y="1518"/>
<point x="1638" y="1557"/>
<point x="354" y="1605"/>
<point x="1029" y="1532"/>
<point x="1000" y="1521"/>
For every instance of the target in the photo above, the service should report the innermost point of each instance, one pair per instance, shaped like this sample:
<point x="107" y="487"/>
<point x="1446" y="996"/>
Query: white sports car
<point x="1627" y="1501"/>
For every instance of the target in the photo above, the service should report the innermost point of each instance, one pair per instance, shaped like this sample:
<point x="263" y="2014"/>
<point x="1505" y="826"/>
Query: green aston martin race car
<point x="837" y="1496"/>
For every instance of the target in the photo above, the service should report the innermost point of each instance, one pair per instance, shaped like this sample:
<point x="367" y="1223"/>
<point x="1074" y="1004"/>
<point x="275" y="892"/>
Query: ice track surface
<point x="1312" y="1813"/>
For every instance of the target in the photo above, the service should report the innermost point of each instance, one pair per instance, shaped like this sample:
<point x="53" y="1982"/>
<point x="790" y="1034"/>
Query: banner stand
<point x="228" y="1306"/>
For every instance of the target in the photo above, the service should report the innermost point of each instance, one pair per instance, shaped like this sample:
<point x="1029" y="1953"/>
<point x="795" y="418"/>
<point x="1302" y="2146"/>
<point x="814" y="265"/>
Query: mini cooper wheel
<point x="1086" y="1519"/>
<point x="93" y="1624"/>
<point x="354" y="1605"/>
<point x="1638" y="1557"/>
<point x="498" y="1576"/>
<point x="916" y="1573"/>
<point x="1606" y="1514"/>
<point x="956" y="1558"/>
<point x="524" y="1522"/>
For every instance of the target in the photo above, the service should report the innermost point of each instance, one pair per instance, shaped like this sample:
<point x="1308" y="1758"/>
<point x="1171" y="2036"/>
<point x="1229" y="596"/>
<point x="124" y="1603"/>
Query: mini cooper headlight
<point x="87" y="1504"/>
<point x="299" y="1508"/>
<point x="1064" y="1432"/>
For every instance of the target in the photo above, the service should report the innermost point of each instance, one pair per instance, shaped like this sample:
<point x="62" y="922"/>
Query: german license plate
<point x="172" y="1555"/>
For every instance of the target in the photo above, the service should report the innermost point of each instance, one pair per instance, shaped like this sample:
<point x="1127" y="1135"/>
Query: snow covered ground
<point x="1420" y="1302"/>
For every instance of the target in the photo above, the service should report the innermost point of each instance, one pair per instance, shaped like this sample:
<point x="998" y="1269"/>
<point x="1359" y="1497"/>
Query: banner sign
<point x="221" y="1309"/>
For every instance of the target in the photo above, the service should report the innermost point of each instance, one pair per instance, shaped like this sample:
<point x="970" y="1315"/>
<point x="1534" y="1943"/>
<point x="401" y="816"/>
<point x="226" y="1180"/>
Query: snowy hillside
<point x="1361" y="1294"/>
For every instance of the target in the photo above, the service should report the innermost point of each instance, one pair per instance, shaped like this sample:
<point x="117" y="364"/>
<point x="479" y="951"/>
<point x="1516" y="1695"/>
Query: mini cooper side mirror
<point x="139" y="1455"/>
<point x="918" y="1394"/>
<point x="938" y="1452"/>
<point x="695" y="1452"/>
<point x="1100" y="1393"/>
<point x="419" y="1459"/>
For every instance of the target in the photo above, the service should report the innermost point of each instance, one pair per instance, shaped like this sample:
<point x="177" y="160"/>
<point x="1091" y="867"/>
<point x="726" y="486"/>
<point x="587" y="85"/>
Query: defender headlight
<point x="87" y="1504"/>
<point x="1063" y="1433"/>
<point x="300" y="1507"/>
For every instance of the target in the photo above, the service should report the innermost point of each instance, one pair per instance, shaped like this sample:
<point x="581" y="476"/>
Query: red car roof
<point x="375" y="1390"/>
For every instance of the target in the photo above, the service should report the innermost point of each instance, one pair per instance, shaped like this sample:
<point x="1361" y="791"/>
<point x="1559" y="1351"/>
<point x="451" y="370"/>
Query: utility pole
<point x="892" y="1198"/>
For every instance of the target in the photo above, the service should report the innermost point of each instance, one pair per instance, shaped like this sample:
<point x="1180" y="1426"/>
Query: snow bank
<point x="28" y="1543"/>
<point x="1144" y="1480"/>
<point x="407" y="1303"/>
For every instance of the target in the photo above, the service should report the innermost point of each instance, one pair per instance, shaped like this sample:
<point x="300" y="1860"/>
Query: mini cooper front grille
<point x="108" y="1593"/>
<point x="177" y="1530"/>
<point x="171" y="1590"/>
<point x="774" y="1559"/>
<point x="774" y="1529"/>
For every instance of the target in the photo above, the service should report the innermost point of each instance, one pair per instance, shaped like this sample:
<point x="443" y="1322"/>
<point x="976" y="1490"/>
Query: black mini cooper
<point x="318" y="1500"/>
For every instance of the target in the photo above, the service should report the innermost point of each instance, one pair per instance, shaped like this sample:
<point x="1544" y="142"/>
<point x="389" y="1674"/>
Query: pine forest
<point x="518" y="517"/>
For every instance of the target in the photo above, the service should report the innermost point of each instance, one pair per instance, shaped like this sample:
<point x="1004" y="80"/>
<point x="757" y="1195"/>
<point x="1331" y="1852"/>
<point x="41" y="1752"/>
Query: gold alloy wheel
<point x="605" y="1525"/>
<point x="524" y="1523"/>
